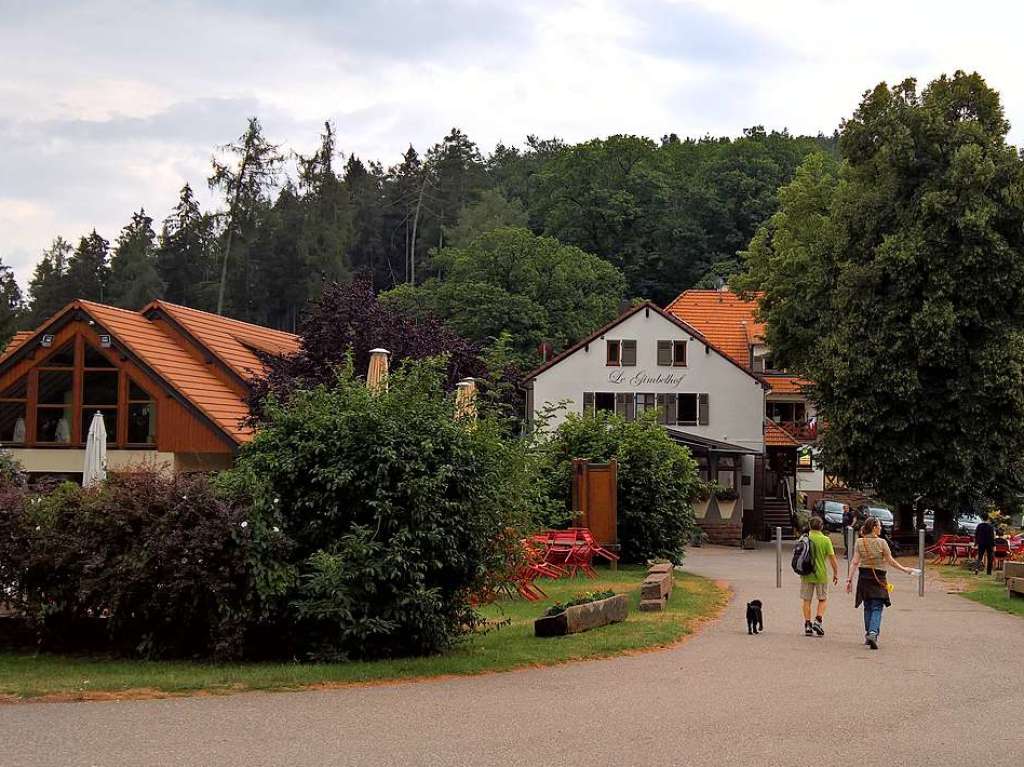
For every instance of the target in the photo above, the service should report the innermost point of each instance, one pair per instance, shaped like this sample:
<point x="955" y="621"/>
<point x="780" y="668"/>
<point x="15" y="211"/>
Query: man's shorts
<point x="809" y="590"/>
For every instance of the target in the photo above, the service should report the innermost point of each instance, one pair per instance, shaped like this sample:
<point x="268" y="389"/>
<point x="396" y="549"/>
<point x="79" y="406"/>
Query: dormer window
<point x="760" y="358"/>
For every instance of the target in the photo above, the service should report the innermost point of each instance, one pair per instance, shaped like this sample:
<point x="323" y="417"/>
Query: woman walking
<point x="870" y="556"/>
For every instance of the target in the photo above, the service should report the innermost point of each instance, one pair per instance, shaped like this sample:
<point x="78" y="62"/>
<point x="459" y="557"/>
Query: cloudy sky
<point x="109" y="106"/>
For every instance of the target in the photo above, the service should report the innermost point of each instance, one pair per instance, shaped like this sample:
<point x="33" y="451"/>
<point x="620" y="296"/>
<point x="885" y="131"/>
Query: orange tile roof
<point x="776" y="436"/>
<point x="229" y="341"/>
<point x="172" y="362"/>
<point x="17" y="340"/>
<point x="723" y="318"/>
<point x="730" y="322"/>
<point x="232" y="341"/>
<point x="786" y="384"/>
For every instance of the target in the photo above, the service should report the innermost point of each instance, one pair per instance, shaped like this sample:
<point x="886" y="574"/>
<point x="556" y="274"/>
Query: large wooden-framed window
<point x="14" y="413"/>
<point x="55" y="403"/>
<point x="613" y="353"/>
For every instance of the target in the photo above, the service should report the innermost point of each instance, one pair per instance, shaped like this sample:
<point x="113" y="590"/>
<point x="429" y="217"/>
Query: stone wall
<point x="722" y="533"/>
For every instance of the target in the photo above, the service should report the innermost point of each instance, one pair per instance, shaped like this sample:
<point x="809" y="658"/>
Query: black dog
<point x="755" y="622"/>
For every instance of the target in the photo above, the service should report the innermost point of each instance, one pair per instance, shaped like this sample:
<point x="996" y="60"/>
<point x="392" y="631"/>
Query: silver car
<point x="831" y="513"/>
<point x="882" y="514"/>
<point x="968" y="523"/>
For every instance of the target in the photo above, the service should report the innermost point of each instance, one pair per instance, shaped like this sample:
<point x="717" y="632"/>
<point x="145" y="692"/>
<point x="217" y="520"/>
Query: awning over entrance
<point x="706" y="446"/>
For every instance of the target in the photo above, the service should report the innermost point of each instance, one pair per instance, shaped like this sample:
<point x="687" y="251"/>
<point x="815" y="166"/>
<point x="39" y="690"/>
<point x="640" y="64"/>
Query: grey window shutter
<point x="673" y="408"/>
<point x="702" y="409"/>
<point x="630" y="407"/>
<point x="662" y="408"/>
<point x="620" y="404"/>
<point x="664" y="352"/>
<point x="629" y="353"/>
<point x="588" y="402"/>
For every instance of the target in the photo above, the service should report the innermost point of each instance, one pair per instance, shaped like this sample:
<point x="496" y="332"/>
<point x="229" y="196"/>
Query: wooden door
<point x="595" y="498"/>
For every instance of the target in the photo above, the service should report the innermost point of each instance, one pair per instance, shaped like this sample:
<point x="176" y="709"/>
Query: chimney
<point x="377" y="374"/>
<point x="546" y="351"/>
<point x="465" y="399"/>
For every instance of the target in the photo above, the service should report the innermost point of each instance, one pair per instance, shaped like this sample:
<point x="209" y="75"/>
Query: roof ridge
<point x="222" y="318"/>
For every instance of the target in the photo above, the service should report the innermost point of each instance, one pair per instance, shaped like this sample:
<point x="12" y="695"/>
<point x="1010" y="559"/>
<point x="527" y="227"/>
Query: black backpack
<point x="803" y="562"/>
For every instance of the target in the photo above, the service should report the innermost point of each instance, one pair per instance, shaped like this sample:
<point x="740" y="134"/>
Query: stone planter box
<point x="726" y="507"/>
<point x="583" y="617"/>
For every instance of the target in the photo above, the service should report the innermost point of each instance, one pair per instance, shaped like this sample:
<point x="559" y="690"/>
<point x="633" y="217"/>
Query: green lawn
<point x="500" y="649"/>
<point x="983" y="589"/>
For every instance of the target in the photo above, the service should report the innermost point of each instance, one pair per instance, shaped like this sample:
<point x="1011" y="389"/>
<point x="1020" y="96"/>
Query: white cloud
<point x="107" y="106"/>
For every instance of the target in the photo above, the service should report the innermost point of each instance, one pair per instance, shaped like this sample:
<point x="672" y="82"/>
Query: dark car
<point x="833" y="513"/>
<point x="882" y="514"/>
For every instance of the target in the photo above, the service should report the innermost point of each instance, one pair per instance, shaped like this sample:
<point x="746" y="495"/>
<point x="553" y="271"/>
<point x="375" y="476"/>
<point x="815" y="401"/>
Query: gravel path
<point x="944" y="689"/>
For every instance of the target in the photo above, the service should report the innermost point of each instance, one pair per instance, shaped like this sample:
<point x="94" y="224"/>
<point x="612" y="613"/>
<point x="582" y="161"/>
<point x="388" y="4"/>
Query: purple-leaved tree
<point x="349" y="318"/>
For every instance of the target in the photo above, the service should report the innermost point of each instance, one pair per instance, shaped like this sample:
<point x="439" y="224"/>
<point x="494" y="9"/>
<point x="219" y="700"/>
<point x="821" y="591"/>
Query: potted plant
<point x="702" y="498"/>
<point x="583" y="612"/>
<point x="726" y="498"/>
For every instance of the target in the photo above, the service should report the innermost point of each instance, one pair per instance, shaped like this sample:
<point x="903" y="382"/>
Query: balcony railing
<point x="805" y="431"/>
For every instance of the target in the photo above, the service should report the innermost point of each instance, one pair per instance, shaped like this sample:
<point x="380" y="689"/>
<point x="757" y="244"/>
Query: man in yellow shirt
<point x="816" y="584"/>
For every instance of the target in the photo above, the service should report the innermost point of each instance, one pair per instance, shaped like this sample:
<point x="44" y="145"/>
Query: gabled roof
<point x="157" y="348"/>
<point x="726" y="319"/>
<point x="234" y="343"/>
<point x="731" y="323"/>
<point x="649" y="306"/>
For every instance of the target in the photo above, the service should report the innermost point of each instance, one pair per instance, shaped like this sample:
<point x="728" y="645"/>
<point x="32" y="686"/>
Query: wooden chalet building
<point x="170" y="382"/>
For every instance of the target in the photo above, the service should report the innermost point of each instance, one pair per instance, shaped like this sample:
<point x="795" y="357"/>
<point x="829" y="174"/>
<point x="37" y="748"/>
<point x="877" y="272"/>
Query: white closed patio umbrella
<point x="95" y="469"/>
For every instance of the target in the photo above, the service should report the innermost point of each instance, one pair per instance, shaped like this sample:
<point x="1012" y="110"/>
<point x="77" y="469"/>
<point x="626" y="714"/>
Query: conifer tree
<point x="134" y="280"/>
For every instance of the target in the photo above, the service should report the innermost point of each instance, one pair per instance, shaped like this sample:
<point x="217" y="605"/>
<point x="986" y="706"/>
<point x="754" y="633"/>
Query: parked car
<point x="832" y="513"/>
<point x="882" y="514"/>
<point x="968" y="523"/>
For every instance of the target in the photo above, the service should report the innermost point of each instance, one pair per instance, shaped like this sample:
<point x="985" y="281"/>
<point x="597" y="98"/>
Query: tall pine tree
<point x="134" y="280"/>
<point x="49" y="289"/>
<point x="185" y="260"/>
<point x="88" y="268"/>
<point x="246" y="182"/>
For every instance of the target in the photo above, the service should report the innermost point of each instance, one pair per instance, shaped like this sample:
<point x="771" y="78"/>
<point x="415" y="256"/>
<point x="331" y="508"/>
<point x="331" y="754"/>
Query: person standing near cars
<point x="985" y="541"/>
<point x="870" y="557"/>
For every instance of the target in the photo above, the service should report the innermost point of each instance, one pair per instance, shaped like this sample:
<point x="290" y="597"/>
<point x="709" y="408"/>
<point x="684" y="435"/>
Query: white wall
<point x="735" y="399"/>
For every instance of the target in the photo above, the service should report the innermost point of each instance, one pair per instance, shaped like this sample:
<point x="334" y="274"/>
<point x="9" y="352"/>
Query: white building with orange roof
<point x="730" y="322"/>
<point x="649" y="359"/>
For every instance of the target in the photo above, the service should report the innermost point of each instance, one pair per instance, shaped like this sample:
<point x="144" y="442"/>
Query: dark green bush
<point x="394" y="507"/>
<point x="143" y="564"/>
<point x="657" y="479"/>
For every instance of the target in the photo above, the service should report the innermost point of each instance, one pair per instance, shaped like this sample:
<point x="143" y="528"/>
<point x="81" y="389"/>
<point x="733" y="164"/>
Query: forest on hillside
<point x="540" y="242"/>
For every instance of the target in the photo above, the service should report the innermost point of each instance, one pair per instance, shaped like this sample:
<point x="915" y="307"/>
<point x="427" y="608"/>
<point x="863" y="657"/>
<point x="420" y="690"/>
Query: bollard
<point x="920" y="562"/>
<point x="778" y="557"/>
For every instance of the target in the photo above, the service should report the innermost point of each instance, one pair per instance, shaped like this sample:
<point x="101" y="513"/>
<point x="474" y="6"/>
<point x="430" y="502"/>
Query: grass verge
<point x="983" y="589"/>
<point x="695" y="599"/>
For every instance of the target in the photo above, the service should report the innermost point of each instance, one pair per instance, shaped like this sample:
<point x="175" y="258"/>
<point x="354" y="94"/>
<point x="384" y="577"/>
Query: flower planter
<point x="700" y="508"/>
<point x="583" y="617"/>
<point x="726" y="507"/>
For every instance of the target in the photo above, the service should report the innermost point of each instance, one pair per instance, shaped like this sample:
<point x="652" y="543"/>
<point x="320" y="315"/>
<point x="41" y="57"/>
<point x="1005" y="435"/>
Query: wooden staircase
<point x="776" y="514"/>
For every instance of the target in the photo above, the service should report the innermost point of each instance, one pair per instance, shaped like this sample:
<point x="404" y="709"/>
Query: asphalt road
<point x="945" y="688"/>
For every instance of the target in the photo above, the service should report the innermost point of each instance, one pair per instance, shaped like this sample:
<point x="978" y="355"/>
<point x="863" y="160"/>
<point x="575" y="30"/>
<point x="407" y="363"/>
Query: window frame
<point x="676" y="346"/>
<point x="664" y="347"/>
<point x="610" y="360"/>
<point x="627" y="345"/>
